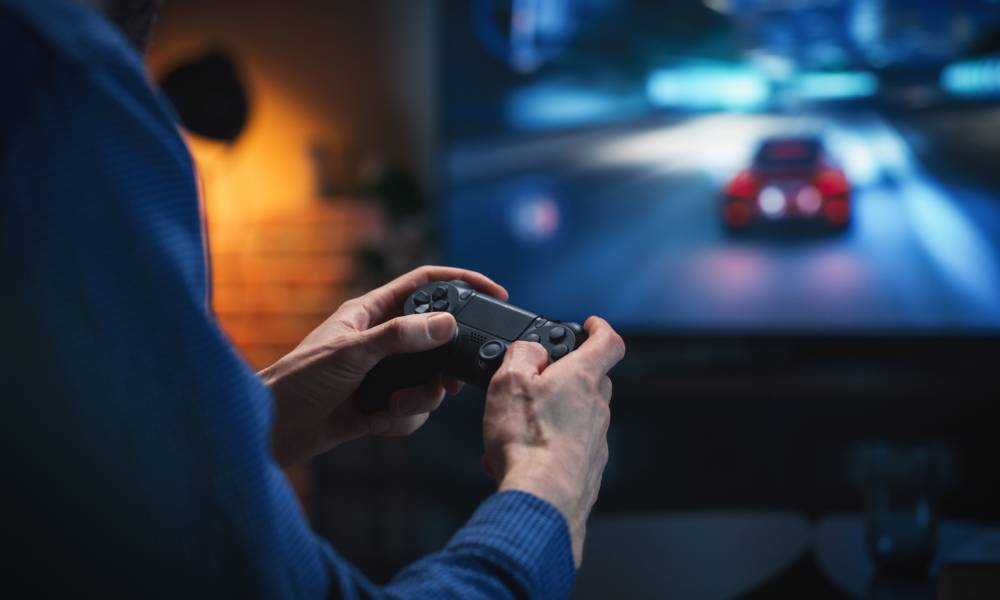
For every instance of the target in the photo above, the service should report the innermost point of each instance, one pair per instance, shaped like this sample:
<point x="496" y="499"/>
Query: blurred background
<point x="791" y="209"/>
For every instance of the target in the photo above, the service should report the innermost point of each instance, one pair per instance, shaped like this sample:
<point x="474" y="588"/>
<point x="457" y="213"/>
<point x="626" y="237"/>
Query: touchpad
<point x="502" y="320"/>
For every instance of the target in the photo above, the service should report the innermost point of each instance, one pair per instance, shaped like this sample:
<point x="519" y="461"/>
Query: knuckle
<point x="532" y="350"/>
<point x="509" y="378"/>
<point x="391" y="337"/>
<point x="502" y="375"/>
<point x="619" y="344"/>
<point x="518" y="378"/>
<point x="518" y="346"/>
<point x="599" y="325"/>
<point x="396" y="330"/>
<point x="351" y="306"/>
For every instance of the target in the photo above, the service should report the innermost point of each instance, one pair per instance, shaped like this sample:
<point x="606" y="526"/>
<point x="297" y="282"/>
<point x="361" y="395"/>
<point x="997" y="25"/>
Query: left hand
<point x="314" y="385"/>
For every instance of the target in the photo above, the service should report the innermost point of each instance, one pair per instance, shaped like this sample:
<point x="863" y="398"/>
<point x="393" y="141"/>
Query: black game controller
<point x="486" y="326"/>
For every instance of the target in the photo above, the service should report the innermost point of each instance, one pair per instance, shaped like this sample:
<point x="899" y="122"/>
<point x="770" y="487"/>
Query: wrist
<point x="547" y="479"/>
<point x="296" y="425"/>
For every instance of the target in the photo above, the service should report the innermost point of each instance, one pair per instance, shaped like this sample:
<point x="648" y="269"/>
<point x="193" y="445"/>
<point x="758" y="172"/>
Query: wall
<point x="355" y="77"/>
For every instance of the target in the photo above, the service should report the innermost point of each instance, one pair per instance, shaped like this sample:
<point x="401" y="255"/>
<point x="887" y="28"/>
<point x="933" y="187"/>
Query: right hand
<point x="545" y="427"/>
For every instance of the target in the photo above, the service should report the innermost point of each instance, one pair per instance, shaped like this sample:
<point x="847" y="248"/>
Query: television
<point x="705" y="166"/>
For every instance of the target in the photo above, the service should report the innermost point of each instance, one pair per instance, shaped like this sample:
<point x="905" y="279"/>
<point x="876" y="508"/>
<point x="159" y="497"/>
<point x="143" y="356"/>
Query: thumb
<point x="408" y="334"/>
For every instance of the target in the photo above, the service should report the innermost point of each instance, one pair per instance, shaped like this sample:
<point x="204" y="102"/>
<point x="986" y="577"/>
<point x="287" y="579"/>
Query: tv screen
<point x="753" y="165"/>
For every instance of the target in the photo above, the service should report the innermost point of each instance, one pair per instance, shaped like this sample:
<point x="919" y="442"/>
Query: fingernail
<point x="441" y="327"/>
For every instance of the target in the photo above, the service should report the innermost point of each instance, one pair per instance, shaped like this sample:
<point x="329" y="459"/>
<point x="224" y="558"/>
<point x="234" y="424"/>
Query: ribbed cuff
<point x="525" y="536"/>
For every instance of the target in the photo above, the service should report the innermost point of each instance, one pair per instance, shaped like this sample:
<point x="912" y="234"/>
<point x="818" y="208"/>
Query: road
<point x="624" y="222"/>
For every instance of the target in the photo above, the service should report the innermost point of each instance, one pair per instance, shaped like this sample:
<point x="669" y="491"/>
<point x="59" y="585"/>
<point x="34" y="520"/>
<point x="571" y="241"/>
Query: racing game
<point x="752" y="165"/>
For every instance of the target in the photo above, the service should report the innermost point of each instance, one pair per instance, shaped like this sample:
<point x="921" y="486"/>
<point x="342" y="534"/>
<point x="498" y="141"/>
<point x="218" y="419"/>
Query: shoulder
<point x="64" y="30"/>
<point x="60" y="60"/>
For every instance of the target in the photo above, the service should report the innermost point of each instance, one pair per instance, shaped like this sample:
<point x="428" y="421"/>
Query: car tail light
<point x="736" y="214"/>
<point x="744" y="185"/>
<point x="837" y="211"/>
<point x="831" y="183"/>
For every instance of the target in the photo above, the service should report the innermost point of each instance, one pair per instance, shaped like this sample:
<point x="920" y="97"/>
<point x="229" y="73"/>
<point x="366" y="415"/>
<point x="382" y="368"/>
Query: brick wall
<point x="353" y="78"/>
<point x="281" y="254"/>
<point x="276" y="277"/>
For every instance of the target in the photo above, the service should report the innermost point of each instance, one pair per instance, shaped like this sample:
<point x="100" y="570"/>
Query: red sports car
<point x="792" y="178"/>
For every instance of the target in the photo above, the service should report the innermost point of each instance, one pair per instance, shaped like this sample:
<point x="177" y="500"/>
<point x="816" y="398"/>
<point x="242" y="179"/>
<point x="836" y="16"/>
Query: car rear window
<point x="787" y="153"/>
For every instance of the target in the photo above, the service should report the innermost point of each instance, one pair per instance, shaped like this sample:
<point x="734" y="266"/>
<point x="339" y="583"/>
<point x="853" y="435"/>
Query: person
<point x="141" y="456"/>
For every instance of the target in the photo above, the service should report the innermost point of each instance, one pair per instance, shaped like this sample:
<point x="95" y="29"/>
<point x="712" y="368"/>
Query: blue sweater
<point x="134" y="442"/>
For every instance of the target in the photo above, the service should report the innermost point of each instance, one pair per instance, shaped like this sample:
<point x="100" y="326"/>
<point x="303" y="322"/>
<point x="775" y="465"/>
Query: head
<point x="134" y="17"/>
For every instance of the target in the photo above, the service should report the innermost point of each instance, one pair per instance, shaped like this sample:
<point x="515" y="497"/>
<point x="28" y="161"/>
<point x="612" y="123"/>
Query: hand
<point x="545" y="427"/>
<point x="314" y="385"/>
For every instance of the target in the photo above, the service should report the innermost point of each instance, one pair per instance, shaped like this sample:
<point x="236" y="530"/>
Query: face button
<point x="440" y="292"/>
<point x="559" y="351"/>
<point x="421" y="297"/>
<point x="491" y="350"/>
<point x="441" y="305"/>
<point x="421" y="308"/>
<point x="532" y="337"/>
<point x="556" y="334"/>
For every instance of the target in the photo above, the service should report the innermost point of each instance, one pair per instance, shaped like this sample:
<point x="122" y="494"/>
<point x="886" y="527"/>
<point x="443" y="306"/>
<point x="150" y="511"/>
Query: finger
<point x="380" y="423"/>
<point x="416" y="400"/>
<point x="405" y="335"/>
<point x="403" y="426"/>
<point x="384" y="302"/>
<point x="522" y="363"/>
<point x="602" y="349"/>
<point x="452" y="384"/>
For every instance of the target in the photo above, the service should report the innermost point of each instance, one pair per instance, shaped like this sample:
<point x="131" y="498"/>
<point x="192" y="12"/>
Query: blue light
<point x="835" y="85"/>
<point x="972" y="78"/>
<point x="550" y="106"/>
<point x="708" y="88"/>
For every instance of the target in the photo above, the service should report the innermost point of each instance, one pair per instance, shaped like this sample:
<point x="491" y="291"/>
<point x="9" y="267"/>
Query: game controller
<point x="486" y="327"/>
